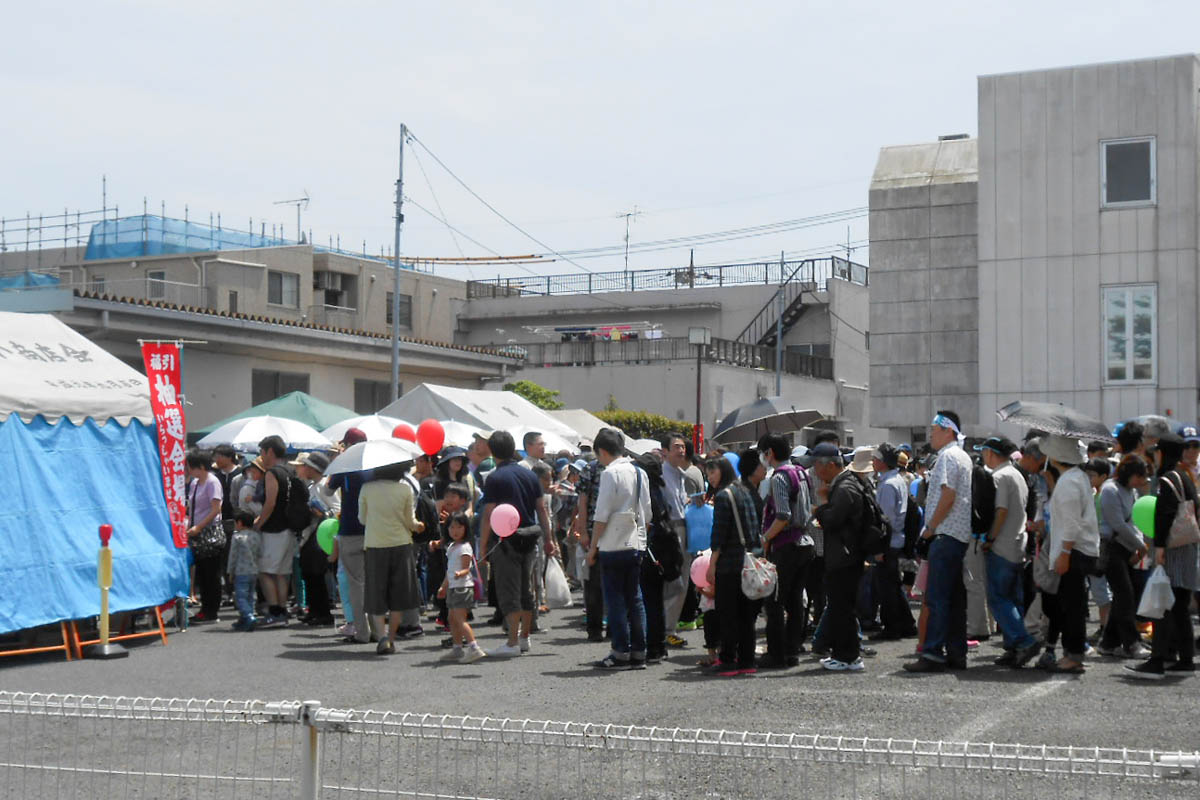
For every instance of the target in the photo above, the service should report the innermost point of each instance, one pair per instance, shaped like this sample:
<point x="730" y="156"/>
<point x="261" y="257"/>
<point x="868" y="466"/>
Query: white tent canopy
<point x="46" y="368"/>
<point x="488" y="411"/>
<point x="585" y="422"/>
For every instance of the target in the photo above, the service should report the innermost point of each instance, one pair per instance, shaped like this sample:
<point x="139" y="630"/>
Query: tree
<point x="540" y="396"/>
<point x="645" y="425"/>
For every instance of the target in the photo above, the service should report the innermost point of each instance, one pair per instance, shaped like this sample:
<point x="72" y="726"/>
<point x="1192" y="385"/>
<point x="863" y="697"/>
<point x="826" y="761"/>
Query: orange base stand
<point x="79" y="644"/>
<point x="66" y="646"/>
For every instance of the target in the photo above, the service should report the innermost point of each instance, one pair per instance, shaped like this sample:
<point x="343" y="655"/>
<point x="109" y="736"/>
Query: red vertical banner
<point x="163" y="372"/>
<point x="698" y="438"/>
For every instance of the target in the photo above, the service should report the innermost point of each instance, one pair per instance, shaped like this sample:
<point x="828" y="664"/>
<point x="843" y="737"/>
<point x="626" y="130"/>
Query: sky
<point x="705" y="116"/>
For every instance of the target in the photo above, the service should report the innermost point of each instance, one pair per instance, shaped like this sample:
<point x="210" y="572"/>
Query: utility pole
<point x="396" y="270"/>
<point x="779" y="330"/>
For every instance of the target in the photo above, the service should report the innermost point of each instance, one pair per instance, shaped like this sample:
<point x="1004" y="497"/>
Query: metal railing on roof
<point x="597" y="352"/>
<point x="758" y="272"/>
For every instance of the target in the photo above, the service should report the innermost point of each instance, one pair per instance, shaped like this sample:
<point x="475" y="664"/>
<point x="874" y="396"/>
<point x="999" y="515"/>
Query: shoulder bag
<point x="1184" y="529"/>
<point x="210" y="541"/>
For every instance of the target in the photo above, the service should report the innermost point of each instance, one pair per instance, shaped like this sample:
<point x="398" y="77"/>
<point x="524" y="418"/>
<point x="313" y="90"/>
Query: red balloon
<point x="404" y="431"/>
<point x="430" y="437"/>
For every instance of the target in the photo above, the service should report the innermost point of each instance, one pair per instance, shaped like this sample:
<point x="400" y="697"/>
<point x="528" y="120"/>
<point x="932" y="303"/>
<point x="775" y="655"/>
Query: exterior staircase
<point x="761" y="330"/>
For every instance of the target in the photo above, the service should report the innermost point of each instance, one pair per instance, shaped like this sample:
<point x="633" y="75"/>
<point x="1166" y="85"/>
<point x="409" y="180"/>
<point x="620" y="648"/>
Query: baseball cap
<point x="353" y="436"/>
<point x="999" y="444"/>
<point x="826" y="450"/>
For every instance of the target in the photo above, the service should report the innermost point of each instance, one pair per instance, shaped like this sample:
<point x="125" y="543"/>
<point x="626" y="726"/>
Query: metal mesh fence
<point x="69" y="747"/>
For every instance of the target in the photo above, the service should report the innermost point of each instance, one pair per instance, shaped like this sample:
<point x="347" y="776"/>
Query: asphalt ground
<point x="557" y="681"/>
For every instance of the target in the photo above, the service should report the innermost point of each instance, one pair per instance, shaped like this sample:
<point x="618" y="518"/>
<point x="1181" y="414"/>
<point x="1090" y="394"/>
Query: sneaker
<point x="833" y="665"/>
<point x="1145" y="671"/>
<point x="637" y="663"/>
<point x="385" y="647"/>
<point x="523" y="644"/>
<point x="747" y="671"/>
<point x="453" y="654"/>
<point x="869" y="652"/>
<point x="201" y="618"/>
<point x="686" y="626"/>
<point x="675" y="641"/>
<point x="924" y="665"/>
<point x="1009" y="659"/>
<point x="727" y="671"/>
<point x="1048" y="661"/>
<point x="412" y="632"/>
<point x="1026" y="654"/>
<point x="348" y="629"/>
<point x="611" y="663"/>
<point x="972" y="644"/>
<point x="1088" y="650"/>
<point x="250" y="625"/>
<point x="471" y="654"/>
<point x="1137" y="650"/>
<point x="1112" y="651"/>
<point x="506" y="650"/>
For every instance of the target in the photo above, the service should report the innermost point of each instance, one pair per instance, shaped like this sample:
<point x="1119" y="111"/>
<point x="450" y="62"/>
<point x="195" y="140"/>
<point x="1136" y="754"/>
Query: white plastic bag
<point x="558" y="593"/>
<point x="759" y="577"/>
<point x="1157" y="597"/>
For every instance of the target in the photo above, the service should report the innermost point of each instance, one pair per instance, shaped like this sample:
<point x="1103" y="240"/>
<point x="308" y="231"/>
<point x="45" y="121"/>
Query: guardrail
<point x="68" y="746"/>
<point x="758" y="272"/>
<point x="598" y="352"/>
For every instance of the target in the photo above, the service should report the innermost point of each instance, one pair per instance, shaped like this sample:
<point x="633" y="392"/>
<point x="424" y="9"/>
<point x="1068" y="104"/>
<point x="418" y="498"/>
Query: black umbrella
<point x="765" y="415"/>
<point x="1055" y="418"/>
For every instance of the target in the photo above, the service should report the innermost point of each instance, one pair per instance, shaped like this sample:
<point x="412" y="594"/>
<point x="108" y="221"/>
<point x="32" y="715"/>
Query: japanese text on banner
<point x="163" y="374"/>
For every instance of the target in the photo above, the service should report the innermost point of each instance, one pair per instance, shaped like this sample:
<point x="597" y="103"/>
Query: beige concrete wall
<point x="1047" y="248"/>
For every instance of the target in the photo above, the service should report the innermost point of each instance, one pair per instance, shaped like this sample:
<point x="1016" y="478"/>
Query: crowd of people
<point x="947" y="546"/>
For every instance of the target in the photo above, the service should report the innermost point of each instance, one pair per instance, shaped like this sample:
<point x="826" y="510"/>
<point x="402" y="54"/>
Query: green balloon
<point x="1143" y="515"/>
<point x="325" y="533"/>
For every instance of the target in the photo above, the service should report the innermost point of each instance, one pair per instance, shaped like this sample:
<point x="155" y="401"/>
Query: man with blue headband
<point x="948" y="526"/>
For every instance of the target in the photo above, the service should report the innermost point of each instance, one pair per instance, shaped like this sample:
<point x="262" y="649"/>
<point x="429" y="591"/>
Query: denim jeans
<point x="946" y="596"/>
<point x="243" y="596"/>
<point x="622" y="572"/>
<point x="1004" y="587"/>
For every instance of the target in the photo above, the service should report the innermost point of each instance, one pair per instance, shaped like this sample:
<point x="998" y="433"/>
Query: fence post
<point x="310" y="749"/>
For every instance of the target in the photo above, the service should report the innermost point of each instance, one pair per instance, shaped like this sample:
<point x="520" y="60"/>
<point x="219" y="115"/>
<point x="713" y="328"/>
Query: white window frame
<point x="1128" y="289"/>
<point x="1153" y="201"/>
<point x="284" y="278"/>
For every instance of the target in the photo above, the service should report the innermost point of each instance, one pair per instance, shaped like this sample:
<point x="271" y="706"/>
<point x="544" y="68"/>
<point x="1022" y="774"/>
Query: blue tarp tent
<point x="77" y="449"/>
<point x="26" y="279"/>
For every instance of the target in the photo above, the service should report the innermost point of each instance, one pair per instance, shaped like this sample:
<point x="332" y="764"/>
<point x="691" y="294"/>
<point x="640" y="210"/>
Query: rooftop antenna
<point x="628" y="217"/>
<point x="849" y="250"/>
<point x="300" y="202"/>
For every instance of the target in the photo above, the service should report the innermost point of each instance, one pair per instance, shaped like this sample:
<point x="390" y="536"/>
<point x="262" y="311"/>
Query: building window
<point x="156" y="285"/>
<point x="267" y="384"/>
<point x="1127" y="172"/>
<point x="233" y="302"/>
<point x="371" y="396"/>
<point x="283" y="289"/>
<point x="405" y="310"/>
<point x="1130" y="334"/>
<point x="97" y="285"/>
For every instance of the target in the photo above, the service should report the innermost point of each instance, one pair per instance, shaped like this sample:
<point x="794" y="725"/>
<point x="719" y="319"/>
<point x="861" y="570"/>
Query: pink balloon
<point x="505" y="520"/>
<point x="700" y="569"/>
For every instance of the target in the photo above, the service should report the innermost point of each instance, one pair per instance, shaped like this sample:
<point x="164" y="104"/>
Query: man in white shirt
<point x="675" y="461"/>
<point x="535" y="449"/>
<point x="619" y="542"/>
<point x="948" y="525"/>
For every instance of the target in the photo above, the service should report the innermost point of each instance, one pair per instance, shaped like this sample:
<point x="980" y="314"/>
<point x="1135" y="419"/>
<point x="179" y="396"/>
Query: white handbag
<point x="760" y="578"/>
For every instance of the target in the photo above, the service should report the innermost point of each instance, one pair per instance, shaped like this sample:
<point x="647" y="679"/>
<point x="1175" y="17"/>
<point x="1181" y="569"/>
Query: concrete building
<point x="1086" y="272"/>
<point x="275" y="317"/>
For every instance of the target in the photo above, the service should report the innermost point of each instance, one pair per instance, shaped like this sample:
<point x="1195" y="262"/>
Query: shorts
<point x="460" y="597"/>
<point x="513" y="572"/>
<point x="391" y="579"/>
<point x="278" y="550"/>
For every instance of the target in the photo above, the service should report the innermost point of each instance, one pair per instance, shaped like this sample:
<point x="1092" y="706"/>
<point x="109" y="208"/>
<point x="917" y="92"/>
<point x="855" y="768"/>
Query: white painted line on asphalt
<point x="975" y="727"/>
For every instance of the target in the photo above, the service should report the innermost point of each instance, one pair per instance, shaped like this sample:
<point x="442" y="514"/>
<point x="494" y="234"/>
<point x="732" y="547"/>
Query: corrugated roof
<point x="900" y="166"/>
<point x="288" y="322"/>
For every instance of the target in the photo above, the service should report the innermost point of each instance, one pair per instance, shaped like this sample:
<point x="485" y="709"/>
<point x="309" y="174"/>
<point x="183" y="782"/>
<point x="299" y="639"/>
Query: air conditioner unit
<point x="328" y="280"/>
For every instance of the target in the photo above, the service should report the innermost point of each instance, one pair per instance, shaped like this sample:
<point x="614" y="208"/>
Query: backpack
<point x="875" y="533"/>
<point x="983" y="500"/>
<point x="795" y="474"/>
<point x="913" y="522"/>
<point x="425" y="510"/>
<point x="295" y="500"/>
